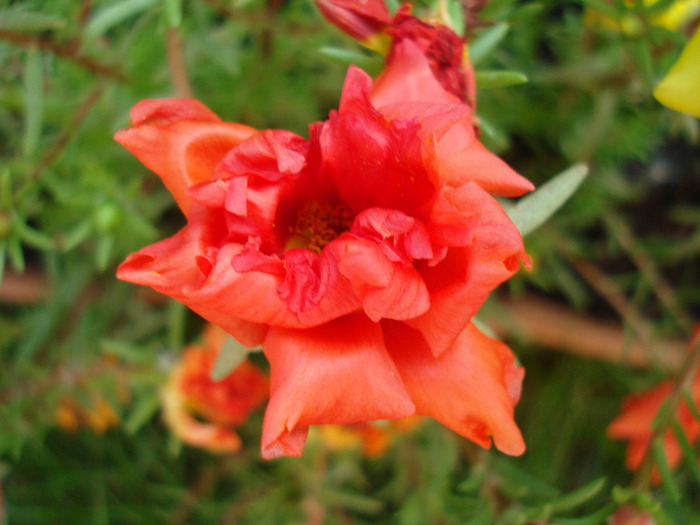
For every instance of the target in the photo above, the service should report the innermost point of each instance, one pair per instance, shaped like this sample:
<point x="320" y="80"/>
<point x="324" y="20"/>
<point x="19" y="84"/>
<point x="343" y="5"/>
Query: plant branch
<point x="69" y="51"/>
<point x="176" y="64"/>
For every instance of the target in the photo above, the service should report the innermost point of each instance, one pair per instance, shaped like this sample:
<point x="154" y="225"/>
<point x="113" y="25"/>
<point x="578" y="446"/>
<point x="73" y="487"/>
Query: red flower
<point x="361" y="19"/>
<point x="356" y="258"/>
<point x="202" y="411"/>
<point x="443" y="48"/>
<point x="635" y="423"/>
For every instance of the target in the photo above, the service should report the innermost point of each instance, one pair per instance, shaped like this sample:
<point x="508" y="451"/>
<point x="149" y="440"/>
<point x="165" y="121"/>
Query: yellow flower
<point x="680" y="89"/>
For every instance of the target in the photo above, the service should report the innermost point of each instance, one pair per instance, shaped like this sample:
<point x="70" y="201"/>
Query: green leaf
<point x="3" y="250"/>
<point x="16" y="18"/>
<point x="498" y="79"/>
<point x="667" y="481"/>
<point x="14" y="250"/>
<point x="690" y="455"/>
<point x="172" y="11"/>
<point x="34" y="100"/>
<point x="34" y="238"/>
<point x="114" y="14"/>
<point x="577" y="497"/>
<point x="348" y="56"/>
<point x="484" y="44"/>
<point x="599" y="517"/>
<point x="232" y="354"/>
<point x="146" y="406"/>
<point x="532" y="211"/>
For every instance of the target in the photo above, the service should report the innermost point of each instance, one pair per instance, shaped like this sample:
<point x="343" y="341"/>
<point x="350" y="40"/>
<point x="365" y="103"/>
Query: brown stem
<point x="176" y="63"/>
<point x="687" y="373"/>
<point x="68" y="51"/>
<point x="547" y="323"/>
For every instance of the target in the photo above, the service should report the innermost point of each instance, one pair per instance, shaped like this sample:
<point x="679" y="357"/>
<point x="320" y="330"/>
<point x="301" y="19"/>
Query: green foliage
<point x="73" y="204"/>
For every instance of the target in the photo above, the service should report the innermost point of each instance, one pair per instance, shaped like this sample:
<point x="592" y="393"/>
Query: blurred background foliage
<point x="83" y="356"/>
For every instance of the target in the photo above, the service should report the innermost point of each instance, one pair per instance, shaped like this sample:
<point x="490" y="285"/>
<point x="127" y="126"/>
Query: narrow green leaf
<point x="176" y="324"/>
<point x="14" y="250"/>
<point x="5" y="188"/>
<point x="3" y="251"/>
<point x="498" y="79"/>
<point x="533" y="210"/>
<point x="104" y="251"/>
<point x="17" y="18"/>
<point x="172" y="11"/>
<point x="690" y="455"/>
<point x="484" y="44"/>
<point x="456" y="14"/>
<point x="144" y="410"/>
<point x="33" y="100"/>
<point x="667" y="481"/>
<point x="349" y="56"/>
<point x="76" y="235"/>
<point x="577" y="497"/>
<point x="114" y="14"/>
<point x="599" y="517"/>
<point x="34" y="238"/>
<point x="232" y="354"/>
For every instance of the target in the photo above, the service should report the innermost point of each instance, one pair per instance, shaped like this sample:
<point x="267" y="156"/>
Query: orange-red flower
<point x="202" y="411"/>
<point x="369" y="22"/>
<point x="635" y="423"/>
<point x="356" y="258"/>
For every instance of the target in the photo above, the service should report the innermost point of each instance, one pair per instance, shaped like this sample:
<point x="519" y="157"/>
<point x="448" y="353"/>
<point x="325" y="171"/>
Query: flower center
<point x="317" y="224"/>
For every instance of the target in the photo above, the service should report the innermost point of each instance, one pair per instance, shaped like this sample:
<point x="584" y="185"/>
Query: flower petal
<point x="370" y="160"/>
<point x="408" y="89"/>
<point x="181" y="141"/>
<point x="387" y="289"/>
<point x="485" y="248"/>
<point x="472" y="388"/>
<point x="339" y="372"/>
<point x="195" y="268"/>
<point x="361" y="19"/>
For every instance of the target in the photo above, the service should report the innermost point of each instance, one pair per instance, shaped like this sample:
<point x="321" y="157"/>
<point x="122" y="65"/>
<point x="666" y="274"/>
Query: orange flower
<point x="634" y="424"/>
<point x="356" y="258"/>
<point x="200" y="410"/>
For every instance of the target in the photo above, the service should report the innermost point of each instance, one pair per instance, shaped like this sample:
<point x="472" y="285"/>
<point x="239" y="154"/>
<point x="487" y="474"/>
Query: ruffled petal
<point x="485" y="250"/>
<point x="370" y="160"/>
<point x="339" y="373"/>
<point x="408" y="89"/>
<point x="191" y="268"/>
<point x="472" y="388"/>
<point x="387" y="289"/>
<point x="408" y="78"/>
<point x="181" y="141"/>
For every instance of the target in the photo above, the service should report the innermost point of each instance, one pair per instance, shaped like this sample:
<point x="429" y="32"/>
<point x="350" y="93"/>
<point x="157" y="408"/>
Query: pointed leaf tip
<point x="532" y="211"/>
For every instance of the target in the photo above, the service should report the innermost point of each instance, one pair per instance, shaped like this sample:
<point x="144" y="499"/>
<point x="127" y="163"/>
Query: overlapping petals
<point x="356" y="257"/>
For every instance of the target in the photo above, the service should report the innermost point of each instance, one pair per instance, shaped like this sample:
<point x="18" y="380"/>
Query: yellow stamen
<point x="317" y="224"/>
